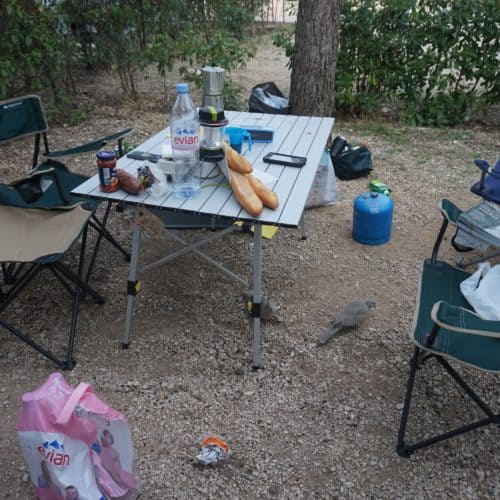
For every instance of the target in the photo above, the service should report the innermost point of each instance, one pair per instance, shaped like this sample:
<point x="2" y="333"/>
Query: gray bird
<point x="352" y="315"/>
<point x="268" y="308"/>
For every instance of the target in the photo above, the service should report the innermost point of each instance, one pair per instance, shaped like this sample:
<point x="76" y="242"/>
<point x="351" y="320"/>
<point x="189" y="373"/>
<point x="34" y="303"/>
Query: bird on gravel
<point x="352" y="315"/>
<point x="268" y="308"/>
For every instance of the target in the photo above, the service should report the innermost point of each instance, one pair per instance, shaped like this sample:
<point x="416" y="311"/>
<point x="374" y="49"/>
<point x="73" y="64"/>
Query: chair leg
<point x="14" y="291"/>
<point x="100" y="227"/>
<point x="461" y="382"/>
<point x="98" y="299"/>
<point x="401" y="448"/>
<point x="70" y="361"/>
<point x="33" y="344"/>
<point x="405" y="450"/>
<point x="61" y="272"/>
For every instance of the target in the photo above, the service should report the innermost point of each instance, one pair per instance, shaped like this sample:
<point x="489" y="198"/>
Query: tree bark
<point x="312" y="90"/>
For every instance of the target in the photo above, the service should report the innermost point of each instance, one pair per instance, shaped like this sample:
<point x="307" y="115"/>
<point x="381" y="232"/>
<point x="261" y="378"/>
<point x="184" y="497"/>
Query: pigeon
<point x="268" y="309"/>
<point x="352" y="315"/>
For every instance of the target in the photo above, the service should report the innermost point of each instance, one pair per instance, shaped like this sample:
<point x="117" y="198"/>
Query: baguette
<point x="269" y="198"/>
<point x="237" y="162"/>
<point x="244" y="193"/>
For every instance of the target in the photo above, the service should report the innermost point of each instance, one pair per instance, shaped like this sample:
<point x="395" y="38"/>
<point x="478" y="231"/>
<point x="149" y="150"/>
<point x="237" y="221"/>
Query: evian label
<point x="53" y="452"/>
<point x="186" y="138"/>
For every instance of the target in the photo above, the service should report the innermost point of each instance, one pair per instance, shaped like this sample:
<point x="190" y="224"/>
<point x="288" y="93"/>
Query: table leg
<point x="133" y="287"/>
<point x="257" y="294"/>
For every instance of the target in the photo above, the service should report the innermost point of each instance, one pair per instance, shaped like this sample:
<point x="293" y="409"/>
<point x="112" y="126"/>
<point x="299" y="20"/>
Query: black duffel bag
<point x="348" y="162"/>
<point x="267" y="98"/>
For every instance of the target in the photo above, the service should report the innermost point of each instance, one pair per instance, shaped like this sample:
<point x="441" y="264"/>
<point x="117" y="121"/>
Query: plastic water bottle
<point x="185" y="133"/>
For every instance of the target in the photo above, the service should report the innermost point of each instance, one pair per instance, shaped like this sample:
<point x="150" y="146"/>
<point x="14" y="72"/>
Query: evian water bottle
<point x="185" y="133"/>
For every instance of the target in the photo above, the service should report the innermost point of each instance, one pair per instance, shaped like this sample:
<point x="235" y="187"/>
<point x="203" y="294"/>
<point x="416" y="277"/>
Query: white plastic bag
<point x="482" y="291"/>
<point x="324" y="188"/>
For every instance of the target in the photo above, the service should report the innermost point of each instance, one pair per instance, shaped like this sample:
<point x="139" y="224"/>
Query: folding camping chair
<point x="34" y="239"/>
<point x="445" y="327"/>
<point x="24" y="117"/>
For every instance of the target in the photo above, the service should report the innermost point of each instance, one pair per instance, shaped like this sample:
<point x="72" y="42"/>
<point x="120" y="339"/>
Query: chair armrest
<point x="449" y="211"/>
<point x="90" y="147"/>
<point x="461" y="320"/>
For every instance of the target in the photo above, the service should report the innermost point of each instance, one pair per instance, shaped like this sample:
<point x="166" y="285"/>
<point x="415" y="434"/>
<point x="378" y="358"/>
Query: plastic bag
<point x="482" y="291"/>
<point x="75" y="445"/>
<point x="324" y="187"/>
<point x="267" y="98"/>
<point x="160" y="185"/>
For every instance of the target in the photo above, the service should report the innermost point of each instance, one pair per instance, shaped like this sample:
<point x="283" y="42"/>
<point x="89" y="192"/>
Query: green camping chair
<point x="446" y="328"/>
<point x="34" y="239"/>
<point x="24" y="117"/>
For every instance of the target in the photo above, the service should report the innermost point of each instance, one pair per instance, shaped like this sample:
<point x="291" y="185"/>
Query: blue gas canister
<point x="372" y="219"/>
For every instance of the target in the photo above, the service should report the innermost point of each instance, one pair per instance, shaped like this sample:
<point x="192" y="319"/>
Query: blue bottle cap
<point x="182" y="88"/>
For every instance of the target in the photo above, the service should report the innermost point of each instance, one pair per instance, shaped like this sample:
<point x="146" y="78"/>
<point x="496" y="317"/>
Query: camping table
<point x="215" y="204"/>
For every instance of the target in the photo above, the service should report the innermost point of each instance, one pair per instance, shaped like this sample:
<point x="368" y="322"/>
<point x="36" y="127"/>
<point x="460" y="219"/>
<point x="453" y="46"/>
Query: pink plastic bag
<point x="75" y="445"/>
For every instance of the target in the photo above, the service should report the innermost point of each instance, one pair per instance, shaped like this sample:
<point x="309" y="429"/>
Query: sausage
<point x="128" y="182"/>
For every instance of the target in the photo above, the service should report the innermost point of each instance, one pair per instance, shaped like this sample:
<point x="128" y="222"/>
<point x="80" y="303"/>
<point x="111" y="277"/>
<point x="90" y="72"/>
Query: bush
<point x="439" y="57"/>
<point x="43" y="43"/>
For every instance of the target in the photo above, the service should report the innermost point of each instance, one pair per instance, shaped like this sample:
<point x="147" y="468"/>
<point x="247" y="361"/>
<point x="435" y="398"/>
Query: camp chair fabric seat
<point x="69" y="181"/>
<point x="23" y="117"/>
<point x="48" y="186"/>
<point x="40" y="219"/>
<point x="37" y="239"/>
<point x="39" y="235"/>
<point x="463" y="335"/>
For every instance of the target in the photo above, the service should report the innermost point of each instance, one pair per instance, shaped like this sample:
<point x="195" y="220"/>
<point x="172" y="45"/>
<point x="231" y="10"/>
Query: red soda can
<point x="106" y="167"/>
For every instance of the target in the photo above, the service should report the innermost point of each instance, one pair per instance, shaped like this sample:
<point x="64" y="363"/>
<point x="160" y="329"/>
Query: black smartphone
<point x="287" y="160"/>
<point x="143" y="156"/>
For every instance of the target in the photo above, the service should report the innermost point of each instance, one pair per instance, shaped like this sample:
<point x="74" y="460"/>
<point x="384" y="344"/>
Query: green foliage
<point x="284" y="38"/>
<point x="66" y="112"/>
<point x="45" y="43"/>
<point x="233" y="96"/>
<point x="35" y="54"/>
<point x="437" y="57"/>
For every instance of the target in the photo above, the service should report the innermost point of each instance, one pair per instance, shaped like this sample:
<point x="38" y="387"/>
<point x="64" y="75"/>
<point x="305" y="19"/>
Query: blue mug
<point x="236" y="136"/>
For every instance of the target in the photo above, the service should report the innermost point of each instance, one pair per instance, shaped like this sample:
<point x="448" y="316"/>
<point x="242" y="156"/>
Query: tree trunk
<point x="312" y="90"/>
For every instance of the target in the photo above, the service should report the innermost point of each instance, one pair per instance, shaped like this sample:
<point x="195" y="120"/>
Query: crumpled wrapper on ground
<point x="213" y="449"/>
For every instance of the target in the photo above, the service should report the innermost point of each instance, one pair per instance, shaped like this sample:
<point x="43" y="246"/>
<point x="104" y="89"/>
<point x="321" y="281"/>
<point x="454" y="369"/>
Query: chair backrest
<point x="488" y="187"/>
<point x="21" y="117"/>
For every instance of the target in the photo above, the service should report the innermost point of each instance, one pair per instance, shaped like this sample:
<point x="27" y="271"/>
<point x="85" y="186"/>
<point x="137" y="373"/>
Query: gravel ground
<point x="314" y="422"/>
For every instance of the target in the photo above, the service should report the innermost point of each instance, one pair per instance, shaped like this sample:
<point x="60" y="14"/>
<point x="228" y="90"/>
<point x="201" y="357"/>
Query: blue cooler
<point x="372" y="220"/>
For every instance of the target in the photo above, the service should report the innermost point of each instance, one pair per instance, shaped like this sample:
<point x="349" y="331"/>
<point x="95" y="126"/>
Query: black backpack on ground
<point x="348" y="162"/>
